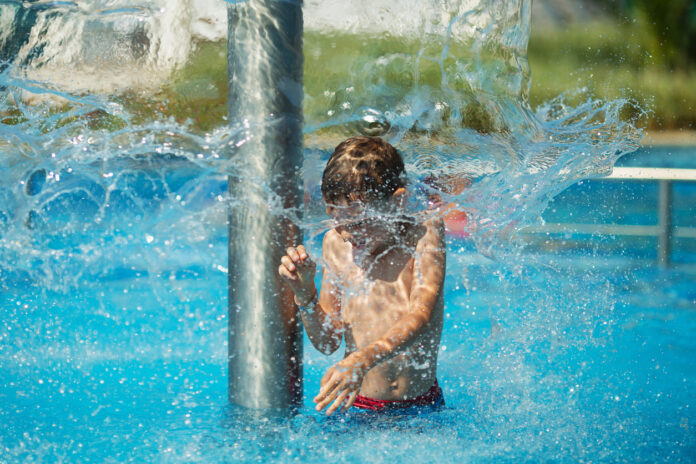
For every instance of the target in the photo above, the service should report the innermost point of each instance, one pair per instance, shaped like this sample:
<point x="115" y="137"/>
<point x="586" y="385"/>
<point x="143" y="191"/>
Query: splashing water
<point x="81" y="173"/>
<point x="113" y="234"/>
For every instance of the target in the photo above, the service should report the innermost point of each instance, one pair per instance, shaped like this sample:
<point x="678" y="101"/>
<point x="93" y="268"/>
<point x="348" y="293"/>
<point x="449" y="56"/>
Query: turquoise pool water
<point x="113" y="248"/>
<point x="591" y="358"/>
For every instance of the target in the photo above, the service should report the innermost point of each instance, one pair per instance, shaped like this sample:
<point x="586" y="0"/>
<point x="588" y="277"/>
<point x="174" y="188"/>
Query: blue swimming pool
<point x="113" y="240"/>
<point x="581" y="351"/>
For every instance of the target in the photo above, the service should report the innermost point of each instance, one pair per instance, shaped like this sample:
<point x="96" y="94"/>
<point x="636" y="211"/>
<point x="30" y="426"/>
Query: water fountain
<point x="114" y="234"/>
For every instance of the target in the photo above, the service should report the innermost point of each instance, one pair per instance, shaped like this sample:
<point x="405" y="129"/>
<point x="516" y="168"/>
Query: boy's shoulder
<point x="334" y="250"/>
<point x="433" y="236"/>
<point x="435" y="227"/>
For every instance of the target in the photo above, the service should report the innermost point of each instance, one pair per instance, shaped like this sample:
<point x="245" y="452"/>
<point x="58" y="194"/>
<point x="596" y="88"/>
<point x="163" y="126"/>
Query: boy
<point x="382" y="285"/>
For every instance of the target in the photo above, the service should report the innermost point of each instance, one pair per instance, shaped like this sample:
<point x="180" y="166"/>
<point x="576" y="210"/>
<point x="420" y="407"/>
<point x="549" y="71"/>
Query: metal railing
<point x="665" y="230"/>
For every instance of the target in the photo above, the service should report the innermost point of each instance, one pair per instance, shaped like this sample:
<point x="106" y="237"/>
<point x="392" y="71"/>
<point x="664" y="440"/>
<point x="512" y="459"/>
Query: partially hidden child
<point x="382" y="285"/>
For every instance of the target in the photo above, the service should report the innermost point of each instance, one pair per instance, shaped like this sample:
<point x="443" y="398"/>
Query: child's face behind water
<point x="368" y="227"/>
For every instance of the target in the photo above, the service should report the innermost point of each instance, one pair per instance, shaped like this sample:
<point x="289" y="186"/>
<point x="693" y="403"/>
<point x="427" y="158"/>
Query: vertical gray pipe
<point x="264" y="62"/>
<point x="664" y="240"/>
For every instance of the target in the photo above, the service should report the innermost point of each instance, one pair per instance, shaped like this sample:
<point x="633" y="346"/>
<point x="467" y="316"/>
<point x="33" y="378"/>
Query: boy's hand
<point x="341" y="383"/>
<point x="298" y="270"/>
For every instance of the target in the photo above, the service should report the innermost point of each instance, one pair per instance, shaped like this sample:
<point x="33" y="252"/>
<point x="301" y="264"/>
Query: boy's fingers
<point x="328" y="399"/>
<point x="350" y="401"/>
<point x="302" y="252"/>
<point x="327" y="389"/>
<point x="288" y="263"/>
<point x="327" y="375"/>
<point x="284" y="273"/>
<point x="337" y="403"/>
<point x="292" y="253"/>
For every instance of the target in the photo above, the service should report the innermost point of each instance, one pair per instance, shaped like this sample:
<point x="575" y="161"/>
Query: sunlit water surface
<point x="593" y="360"/>
<point x="113" y="256"/>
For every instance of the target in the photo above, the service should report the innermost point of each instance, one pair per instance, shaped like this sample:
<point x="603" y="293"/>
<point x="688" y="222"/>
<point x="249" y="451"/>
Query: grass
<point x="612" y="61"/>
<point x="343" y="72"/>
<point x="197" y="93"/>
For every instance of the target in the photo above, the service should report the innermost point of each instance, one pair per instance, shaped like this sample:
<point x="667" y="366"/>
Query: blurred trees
<point x="671" y="22"/>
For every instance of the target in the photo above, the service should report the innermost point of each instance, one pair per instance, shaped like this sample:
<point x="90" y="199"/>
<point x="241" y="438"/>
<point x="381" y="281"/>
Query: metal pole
<point x="664" y="242"/>
<point x="264" y="63"/>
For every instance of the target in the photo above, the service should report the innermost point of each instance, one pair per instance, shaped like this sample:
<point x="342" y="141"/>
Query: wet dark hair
<point x="364" y="169"/>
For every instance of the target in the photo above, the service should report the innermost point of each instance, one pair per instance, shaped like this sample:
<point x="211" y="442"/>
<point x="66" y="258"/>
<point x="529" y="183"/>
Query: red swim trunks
<point x="432" y="397"/>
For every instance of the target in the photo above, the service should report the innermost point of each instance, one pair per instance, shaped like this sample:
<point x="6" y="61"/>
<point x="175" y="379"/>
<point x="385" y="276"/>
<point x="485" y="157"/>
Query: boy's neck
<point x="400" y="238"/>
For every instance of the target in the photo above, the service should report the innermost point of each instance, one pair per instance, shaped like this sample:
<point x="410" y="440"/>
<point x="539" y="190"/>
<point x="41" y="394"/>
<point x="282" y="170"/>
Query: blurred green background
<point x="642" y="49"/>
<point x="645" y="49"/>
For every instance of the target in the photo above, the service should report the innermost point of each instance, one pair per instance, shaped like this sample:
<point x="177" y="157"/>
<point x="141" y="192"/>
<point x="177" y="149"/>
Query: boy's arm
<point x="428" y="280"/>
<point x="342" y="381"/>
<point x="322" y="320"/>
<point x="323" y="325"/>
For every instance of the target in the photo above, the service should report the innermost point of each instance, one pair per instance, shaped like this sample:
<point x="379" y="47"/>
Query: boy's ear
<point x="399" y="195"/>
<point x="398" y="192"/>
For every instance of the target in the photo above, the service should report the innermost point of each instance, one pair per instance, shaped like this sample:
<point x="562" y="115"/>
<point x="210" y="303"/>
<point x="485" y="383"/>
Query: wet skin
<point x="382" y="289"/>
